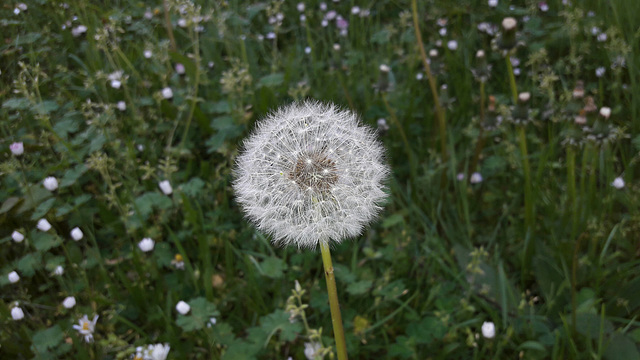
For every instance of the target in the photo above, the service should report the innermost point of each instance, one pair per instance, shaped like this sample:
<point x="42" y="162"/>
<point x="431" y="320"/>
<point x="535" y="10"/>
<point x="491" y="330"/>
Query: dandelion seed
<point x="452" y="45"/>
<point x="17" y="148"/>
<point x="43" y="225"/>
<point x="488" y="330"/>
<point x="167" y="93"/>
<point x="17" y="313"/>
<point x="86" y="327"/>
<point x="146" y="244"/>
<point x="475" y="178"/>
<point x="182" y="307"/>
<point x="121" y="105"/>
<point x="69" y="302"/>
<point x="50" y="183"/>
<point x="13" y="277"/>
<point x="618" y="183"/>
<point x="17" y="236"/>
<point x="309" y="173"/>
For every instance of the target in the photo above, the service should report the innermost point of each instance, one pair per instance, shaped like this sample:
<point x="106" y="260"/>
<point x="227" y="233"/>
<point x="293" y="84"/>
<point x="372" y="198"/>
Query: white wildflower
<point x="50" y="183"/>
<point x="475" y="178"/>
<point x="452" y="45"/>
<point x="69" y="302"/>
<point x="311" y="172"/>
<point x="43" y="225"/>
<point x="86" y="327"/>
<point x="121" y="105"/>
<point x="59" y="270"/>
<point x="618" y="183"/>
<point x="147" y="54"/>
<point x="493" y="3"/>
<point x="159" y="351"/>
<point x="165" y="186"/>
<point x="17" y="236"/>
<point x="167" y="93"/>
<point x="76" y="234"/>
<point x="311" y="349"/>
<point x="17" y="148"/>
<point x="17" y="313"/>
<point x="488" y="329"/>
<point x="182" y="307"/>
<point x="600" y="71"/>
<point x="146" y="244"/>
<point x="13" y="277"/>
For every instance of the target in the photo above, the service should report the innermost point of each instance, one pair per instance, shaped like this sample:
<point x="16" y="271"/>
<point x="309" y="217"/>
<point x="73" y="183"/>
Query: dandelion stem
<point x="336" y="317"/>
<point x="432" y="84"/>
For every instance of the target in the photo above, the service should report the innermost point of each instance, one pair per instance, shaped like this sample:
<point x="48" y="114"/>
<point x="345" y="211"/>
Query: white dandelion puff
<point x="309" y="173"/>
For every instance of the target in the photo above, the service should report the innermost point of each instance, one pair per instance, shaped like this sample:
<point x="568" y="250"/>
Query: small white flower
<point x="146" y="244"/>
<point x="602" y="37"/>
<point x="13" y="277"/>
<point x="116" y="84"/>
<point x="331" y="15"/>
<point x="595" y="30"/>
<point x="600" y="71"/>
<point x="50" y="183"/>
<point x="148" y="15"/>
<point x="384" y="68"/>
<point x="180" y="70"/>
<point x="543" y="6"/>
<point x="182" y="307"/>
<point x="509" y="23"/>
<point x="86" y="327"/>
<point x="324" y="23"/>
<point x="165" y="186"/>
<point x="300" y="7"/>
<point x="182" y="23"/>
<point x="76" y="234"/>
<point x="59" y="270"/>
<point x="355" y="10"/>
<point x="17" y="313"/>
<point x="605" y="112"/>
<point x="167" y="93"/>
<point x="493" y="3"/>
<point x="310" y="350"/>
<point x="17" y="236"/>
<point x="382" y="124"/>
<point x="488" y="329"/>
<point x="460" y="176"/>
<point x="210" y="64"/>
<point x="307" y="50"/>
<point x="78" y="30"/>
<point x="442" y="31"/>
<point x="16" y="11"/>
<point x="22" y="6"/>
<point x="17" y="148"/>
<point x="43" y="225"/>
<point x="476" y="178"/>
<point x="159" y="351"/>
<point x="323" y="6"/>
<point x="433" y="53"/>
<point x="121" y="105"/>
<point x="303" y="18"/>
<point x="336" y="47"/>
<point x="271" y="35"/>
<point x="212" y="321"/>
<point x="452" y="45"/>
<point x="147" y="54"/>
<point x="618" y="183"/>
<point x="69" y="302"/>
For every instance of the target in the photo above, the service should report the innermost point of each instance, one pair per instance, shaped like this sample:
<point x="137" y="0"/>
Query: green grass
<point x="544" y="247"/>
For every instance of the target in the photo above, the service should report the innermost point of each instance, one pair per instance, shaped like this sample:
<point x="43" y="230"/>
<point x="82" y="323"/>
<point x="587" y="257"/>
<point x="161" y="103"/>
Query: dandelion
<point x="121" y="105"/>
<point x="43" y="225"/>
<point x="69" y="302"/>
<point x="618" y="183"/>
<point x="17" y="236"/>
<point x="17" y="148"/>
<point x="50" y="183"/>
<point x="488" y="329"/>
<point x="146" y="244"/>
<point x="165" y="186"/>
<point x="86" y="327"/>
<point x="13" y="277"/>
<point x="76" y="234"/>
<point x="59" y="270"/>
<point x="167" y="93"/>
<point x="475" y="178"/>
<point x="311" y="174"/>
<point x="182" y="307"/>
<point x="17" y="313"/>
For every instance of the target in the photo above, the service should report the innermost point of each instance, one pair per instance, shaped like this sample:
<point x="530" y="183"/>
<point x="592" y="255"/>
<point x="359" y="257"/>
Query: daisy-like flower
<point x="116" y="79"/>
<point x="311" y="349"/>
<point x="178" y="262"/>
<point x="17" y="236"/>
<point x="17" y="148"/>
<point x="311" y="173"/>
<point x="86" y="327"/>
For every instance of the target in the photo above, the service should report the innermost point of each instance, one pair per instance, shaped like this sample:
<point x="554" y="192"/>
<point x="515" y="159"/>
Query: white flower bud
<point x="488" y="329"/>
<point x="50" y="183"/>
<point x="121" y="105"/>
<point x="43" y="225"/>
<point x="452" y="45"/>
<point x="76" y="234"/>
<point x="17" y="313"/>
<point x="475" y="178"/>
<point x="69" y="302"/>
<point x="167" y="93"/>
<point x="618" y="183"/>
<point x="146" y="244"/>
<point x="509" y="23"/>
<point x="493" y="3"/>
<point x="17" y="236"/>
<point x="605" y="112"/>
<point x="165" y="186"/>
<point x="183" y="308"/>
<point x="147" y="54"/>
<point x="59" y="270"/>
<point x="17" y="148"/>
<point x="13" y="277"/>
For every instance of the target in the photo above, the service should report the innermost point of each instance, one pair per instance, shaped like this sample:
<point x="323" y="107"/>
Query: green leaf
<point x="532" y="345"/>
<point x="223" y="333"/>
<point x="189" y="65"/>
<point x="47" y="339"/>
<point x="427" y="330"/>
<point x="404" y="348"/>
<point x="9" y="204"/>
<point x="621" y="348"/>
<point x="16" y="104"/>
<point x="72" y="175"/>
<point x="46" y="107"/>
<point x="240" y="350"/>
<point x="279" y="321"/>
<point x="42" y="209"/>
<point x="271" y="80"/>
<point x="220" y="107"/>
<point x="29" y="263"/>
<point x="27" y="38"/>
<point x="193" y="187"/>
<point x="392" y="220"/>
<point x="150" y="200"/>
<point x="198" y="317"/>
<point x="359" y="287"/>
<point x="589" y="324"/>
<point x="44" y="241"/>
<point x="344" y="274"/>
<point x="273" y="267"/>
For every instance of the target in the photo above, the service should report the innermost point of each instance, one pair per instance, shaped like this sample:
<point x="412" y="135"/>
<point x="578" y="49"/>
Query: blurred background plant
<point x="485" y="250"/>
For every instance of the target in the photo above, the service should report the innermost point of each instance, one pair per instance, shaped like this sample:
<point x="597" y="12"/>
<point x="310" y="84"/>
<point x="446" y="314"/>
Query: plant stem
<point x="528" y="204"/>
<point x="480" y="143"/>
<point x="571" y="186"/>
<point x="432" y="84"/>
<point x="167" y="24"/>
<point x="336" y="317"/>
<point x="512" y="80"/>
<point x="396" y="122"/>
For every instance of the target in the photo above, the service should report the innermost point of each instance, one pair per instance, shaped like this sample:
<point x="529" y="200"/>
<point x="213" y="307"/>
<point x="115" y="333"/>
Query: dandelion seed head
<point x="311" y="172"/>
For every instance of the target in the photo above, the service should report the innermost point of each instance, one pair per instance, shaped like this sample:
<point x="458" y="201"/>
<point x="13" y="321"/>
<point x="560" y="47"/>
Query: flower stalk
<point x="336" y="316"/>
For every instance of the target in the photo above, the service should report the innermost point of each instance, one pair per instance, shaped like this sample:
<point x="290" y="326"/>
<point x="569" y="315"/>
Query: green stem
<point x="571" y="186"/>
<point x="336" y="317"/>
<point x="527" y="178"/>
<point x="512" y="80"/>
<point x="480" y="143"/>
<point x="396" y="122"/>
